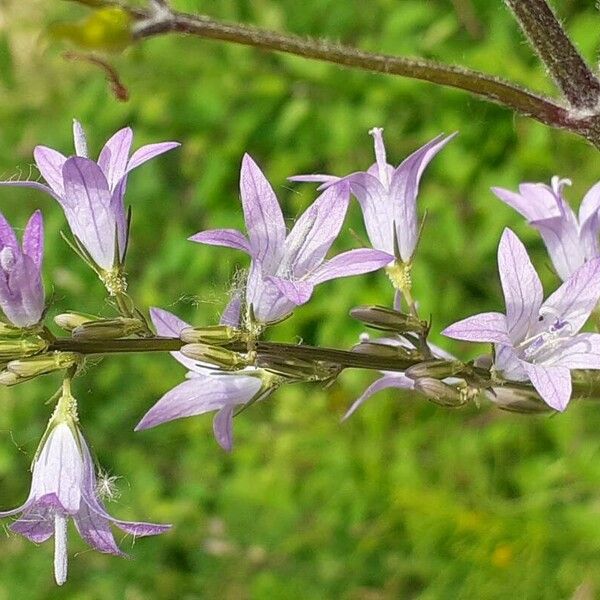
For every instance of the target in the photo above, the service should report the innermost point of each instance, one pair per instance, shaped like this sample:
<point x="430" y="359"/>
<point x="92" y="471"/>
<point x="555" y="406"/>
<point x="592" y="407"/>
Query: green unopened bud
<point x="220" y="357"/>
<point x="438" y="369"/>
<point x="388" y="351"/>
<point x="71" y="320"/>
<point x="298" y="369"/>
<point x="10" y="331"/>
<point x="7" y="378"/>
<point x="45" y="363"/>
<point x="215" y="335"/>
<point x="20" y="348"/>
<point x="387" y="319"/>
<point x="516" y="399"/>
<point x="108" y="329"/>
<point x="440" y="393"/>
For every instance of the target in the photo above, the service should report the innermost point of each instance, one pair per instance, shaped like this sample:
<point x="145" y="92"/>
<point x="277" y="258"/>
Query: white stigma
<point x="380" y="156"/>
<point x="80" y="139"/>
<point x="60" y="548"/>
<point x="7" y="259"/>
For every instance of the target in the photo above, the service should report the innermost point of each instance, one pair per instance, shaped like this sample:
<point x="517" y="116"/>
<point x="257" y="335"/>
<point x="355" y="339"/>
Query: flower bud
<point x="516" y="399"/>
<point x="71" y="320"/>
<point x="21" y="348"/>
<point x="216" y="335"/>
<point x="439" y="392"/>
<point x="298" y="369"/>
<point x="108" y="329"/>
<point x="10" y="331"/>
<point x="388" y="351"/>
<point x="225" y="359"/>
<point x="45" y="363"/>
<point x="7" y="378"/>
<point x="387" y="319"/>
<point x="438" y="369"/>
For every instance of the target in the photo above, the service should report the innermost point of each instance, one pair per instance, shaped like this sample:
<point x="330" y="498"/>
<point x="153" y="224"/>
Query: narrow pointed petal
<point x="230" y="238"/>
<point x="263" y="216"/>
<point x="589" y="222"/>
<point x="315" y="231"/>
<point x="7" y="235"/>
<point x="387" y="381"/>
<point x="232" y="315"/>
<point x="404" y="188"/>
<point x="535" y="201"/>
<point x="353" y="262"/>
<point x="200" y="395"/>
<point x="297" y="292"/>
<point x="88" y="209"/>
<point x="484" y="327"/>
<point x="579" y="352"/>
<point x="36" y="523"/>
<point x="553" y="384"/>
<point x="523" y="293"/>
<point x="169" y="325"/>
<point x="325" y="180"/>
<point x="50" y="163"/>
<point x="268" y="303"/>
<point x="33" y="238"/>
<point x="114" y="156"/>
<point x="95" y="531"/>
<point x="508" y="364"/>
<point x="575" y="299"/>
<point x="148" y="152"/>
<point x="377" y="209"/>
<point x="36" y="185"/>
<point x="223" y="427"/>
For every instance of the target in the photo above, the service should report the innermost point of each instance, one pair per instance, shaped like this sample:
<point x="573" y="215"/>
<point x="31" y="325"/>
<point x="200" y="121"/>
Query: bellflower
<point x="388" y="195"/>
<point x="285" y="267"/>
<point x="91" y="192"/>
<point x="536" y="340"/>
<point x="392" y="379"/>
<point x="21" y="290"/>
<point x="64" y="486"/>
<point x="206" y="388"/>
<point x="570" y="240"/>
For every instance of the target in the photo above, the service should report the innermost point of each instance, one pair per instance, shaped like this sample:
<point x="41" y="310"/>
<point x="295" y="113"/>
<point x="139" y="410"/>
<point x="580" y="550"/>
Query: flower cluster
<point x="536" y="344"/>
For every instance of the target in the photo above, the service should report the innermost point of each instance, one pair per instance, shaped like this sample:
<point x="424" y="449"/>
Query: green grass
<point x="405" y="500"/>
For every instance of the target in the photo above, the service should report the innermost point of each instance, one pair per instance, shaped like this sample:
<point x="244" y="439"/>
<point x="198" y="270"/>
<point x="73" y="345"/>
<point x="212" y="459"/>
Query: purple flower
<point x="206" y="388"/>
<point x="536" y="340"/>
<point x="392" y="379"/>
<point x="64" y="486"/>
<point x="21" y="290"/>
<point x="286" y="268"/>
<point x="570" y="241"/>
<point x="91" y="192"/>
<point x="388" y="195"/>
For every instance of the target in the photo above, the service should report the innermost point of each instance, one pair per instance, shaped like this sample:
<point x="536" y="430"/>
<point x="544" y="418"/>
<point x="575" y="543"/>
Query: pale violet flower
<point x="570" y="240"/>
<point x="286" y="267"/>
<point x="91" y="192"/>
<point x="536" y="340"/>
<point x="206" y="388"/>
<point x="388" y="195"/>
<point x="21" y="289"/>
<point x="64" y="486"/>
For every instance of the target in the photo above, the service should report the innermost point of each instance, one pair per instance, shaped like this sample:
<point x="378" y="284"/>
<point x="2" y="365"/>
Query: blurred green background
<point x="405" y="500"/>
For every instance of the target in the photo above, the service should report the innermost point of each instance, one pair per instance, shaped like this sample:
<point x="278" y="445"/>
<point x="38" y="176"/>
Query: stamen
<point x="380" y="156"/>
<point x="60" y="548"/>
<point x="7" y="259"/>
<point x="81" y="148"/>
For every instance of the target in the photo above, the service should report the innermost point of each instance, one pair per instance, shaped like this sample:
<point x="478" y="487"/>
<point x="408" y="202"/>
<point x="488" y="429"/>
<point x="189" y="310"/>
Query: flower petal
<point x="553" y="384"/>
<point x="114" y="156"/>
<point x="50" y="163"/>
<point x="223" y="427"/>
<point x="589" y="221"/>
<point x="148" y="152"/>
<point x="297" y="292"/>
<point x="33" y="238"/>
<point x="36" y="523"/>
<point x="263" y="216"/>
<point x="404" y="188"/>
<point x="484" y="327"/>
<point x="535" y="201"/>
<point x="507" y="362"/>
<point x="95" y="531"/>
<point x="230" y="238"/>
<point x="232" y="315"/>
<point x="387" y="381"/>
<point x="575" y="299"/>
<point x="581" y="351"/>
<point x="325" y="180"/>
<point x="353" y="262"/>
<point x="200" y="395"/>
<point x="523" y="293"/>
<point x="315" y="231"/>
<point x="7" y="235"/>
<point x="267" y="302"/>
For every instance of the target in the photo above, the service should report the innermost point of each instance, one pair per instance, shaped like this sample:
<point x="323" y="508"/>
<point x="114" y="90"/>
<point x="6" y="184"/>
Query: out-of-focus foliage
<point x="405" y="500"/>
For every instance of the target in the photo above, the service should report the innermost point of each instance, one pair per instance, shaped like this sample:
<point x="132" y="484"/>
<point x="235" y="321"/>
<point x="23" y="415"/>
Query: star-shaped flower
<point x="536" y="340"/>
